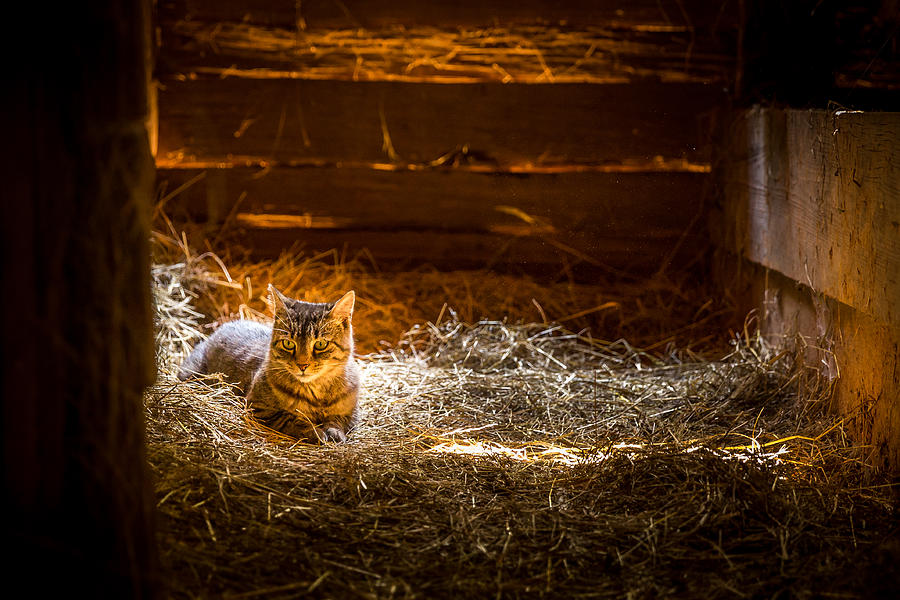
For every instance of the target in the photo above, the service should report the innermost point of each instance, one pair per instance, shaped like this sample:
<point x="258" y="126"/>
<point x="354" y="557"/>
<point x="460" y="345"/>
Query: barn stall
<point x="627" y="298"/>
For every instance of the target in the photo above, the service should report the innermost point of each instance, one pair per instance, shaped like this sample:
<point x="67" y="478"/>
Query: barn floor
<point x="516" y="459"/>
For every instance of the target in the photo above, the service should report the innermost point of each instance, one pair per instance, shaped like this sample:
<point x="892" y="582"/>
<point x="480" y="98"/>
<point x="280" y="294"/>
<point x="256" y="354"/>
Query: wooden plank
<point x="212" y="119"/>
<point x="844" y="199"/>
<point x="510" y="54"/>
<point x="850" y="352"/>
<point x="635" y="221"/>
<point x="406" y="249"/>
<point x="812" y="198"/>
<point x="822" y="202"/>
<point x="695" y="14"/>
<point x="526" y="42"/>
<point x="612" y="203"/>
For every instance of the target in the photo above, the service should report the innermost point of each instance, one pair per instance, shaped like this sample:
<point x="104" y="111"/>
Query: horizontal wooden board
<point x="816" y="196"/>
<point x="510" y="54"/>
<point x="673" y="14"/>
<point x="634" y="222"/>
<point x="213" y="119"/>
<point x="608" y="204"/>
<point x="402" y="250"/>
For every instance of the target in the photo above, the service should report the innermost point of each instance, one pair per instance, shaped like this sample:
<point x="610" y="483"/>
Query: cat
<point x="299" y="376"/>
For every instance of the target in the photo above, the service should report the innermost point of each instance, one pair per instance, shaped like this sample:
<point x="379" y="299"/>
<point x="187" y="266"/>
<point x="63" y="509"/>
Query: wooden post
<point x="812" y="202"/>
<point x="77" y="324"/>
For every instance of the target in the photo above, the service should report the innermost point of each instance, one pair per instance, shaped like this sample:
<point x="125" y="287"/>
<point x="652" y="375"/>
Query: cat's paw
<point x="333" y="434"/>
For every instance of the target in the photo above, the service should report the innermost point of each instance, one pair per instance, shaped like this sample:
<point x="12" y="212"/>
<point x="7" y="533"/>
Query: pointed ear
<point x="343" y="308"/>
<point x="278" y="300"/>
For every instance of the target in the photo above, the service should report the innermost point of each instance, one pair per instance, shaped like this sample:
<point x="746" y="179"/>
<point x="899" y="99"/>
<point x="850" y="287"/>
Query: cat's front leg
<point x="334" y="429"/>
<point x="285" y="422"/>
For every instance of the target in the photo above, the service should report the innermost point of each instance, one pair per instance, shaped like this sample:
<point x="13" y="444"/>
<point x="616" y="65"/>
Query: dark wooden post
<point x="77" y="324"/>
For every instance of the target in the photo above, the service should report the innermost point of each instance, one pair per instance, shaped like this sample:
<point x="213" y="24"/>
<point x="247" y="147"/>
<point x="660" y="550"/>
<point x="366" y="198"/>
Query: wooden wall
<point x="77" y="342"/>
<point x="464" y="134"/>
<point x="812" y="203"/>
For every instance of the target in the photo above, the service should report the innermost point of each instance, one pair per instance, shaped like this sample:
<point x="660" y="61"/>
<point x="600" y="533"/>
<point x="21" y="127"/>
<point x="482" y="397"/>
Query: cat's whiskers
<point x="282" y="371"/>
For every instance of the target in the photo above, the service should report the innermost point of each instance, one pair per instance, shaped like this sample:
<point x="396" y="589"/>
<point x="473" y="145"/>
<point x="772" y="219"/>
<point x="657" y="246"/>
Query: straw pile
<point x="497" y="458"/>
<point x="660" y="315"/>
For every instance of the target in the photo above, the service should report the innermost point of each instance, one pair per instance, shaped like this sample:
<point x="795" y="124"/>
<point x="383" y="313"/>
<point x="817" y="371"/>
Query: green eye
<point x="287" y="345"/>
<point x="320" y="345"/>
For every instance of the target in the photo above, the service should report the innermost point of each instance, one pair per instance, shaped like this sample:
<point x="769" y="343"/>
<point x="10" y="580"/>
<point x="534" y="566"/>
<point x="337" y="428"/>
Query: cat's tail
<point x="195" y="363"/>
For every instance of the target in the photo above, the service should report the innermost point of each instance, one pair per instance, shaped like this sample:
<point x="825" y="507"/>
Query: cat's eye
<point x="320" y="345"/>
<point x="287" y="345"/>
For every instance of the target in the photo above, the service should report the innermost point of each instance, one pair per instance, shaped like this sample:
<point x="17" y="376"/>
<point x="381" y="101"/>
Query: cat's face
<point x="310" y="340"/>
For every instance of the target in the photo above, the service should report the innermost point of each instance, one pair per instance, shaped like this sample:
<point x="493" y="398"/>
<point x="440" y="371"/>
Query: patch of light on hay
<point x="566" y="456"/>
<point x="570" y="456"/>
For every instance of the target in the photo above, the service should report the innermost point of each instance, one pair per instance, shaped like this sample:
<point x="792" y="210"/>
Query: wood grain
<point x="812" y="198"/>
<point x="633" y="221"/>
<point x="853" y="353"/>
<point x="696" y="14"/>
<point x="816" y="196"/>
<point x="215" y="119"/>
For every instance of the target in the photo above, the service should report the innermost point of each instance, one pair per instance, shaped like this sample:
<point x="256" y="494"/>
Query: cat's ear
<point x="343" y="308"/>
<point x="278" y="300"/>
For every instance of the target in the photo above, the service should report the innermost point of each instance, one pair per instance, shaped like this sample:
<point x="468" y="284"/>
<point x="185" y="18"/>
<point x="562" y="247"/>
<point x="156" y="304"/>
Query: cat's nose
<point x="303" y="366"/>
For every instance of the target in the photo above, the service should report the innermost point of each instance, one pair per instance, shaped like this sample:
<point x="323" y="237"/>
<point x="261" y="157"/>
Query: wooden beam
<point x="697" y="14"/>
<point x="816" y="196"/>
<point x="510" y="54"/>
<point x="846" y="351"/>
<point x="812" y="202"/>
<point x="335" y="122"/>
<point x="543" y="256"/>
<point x="627" y="221"/>
<point x="461" y="42"/>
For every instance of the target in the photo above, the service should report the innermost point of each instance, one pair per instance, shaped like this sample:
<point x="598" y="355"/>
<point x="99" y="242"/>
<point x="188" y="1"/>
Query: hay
<point x="498" y="458"/>
<point x="659" y="315"/>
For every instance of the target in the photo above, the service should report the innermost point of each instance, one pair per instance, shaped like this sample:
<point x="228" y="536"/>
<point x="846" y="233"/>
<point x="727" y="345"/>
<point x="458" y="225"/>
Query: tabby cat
<point x="299" y="376"/>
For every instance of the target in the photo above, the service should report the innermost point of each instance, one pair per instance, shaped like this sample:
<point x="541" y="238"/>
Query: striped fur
<point x="299" y="376"/>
